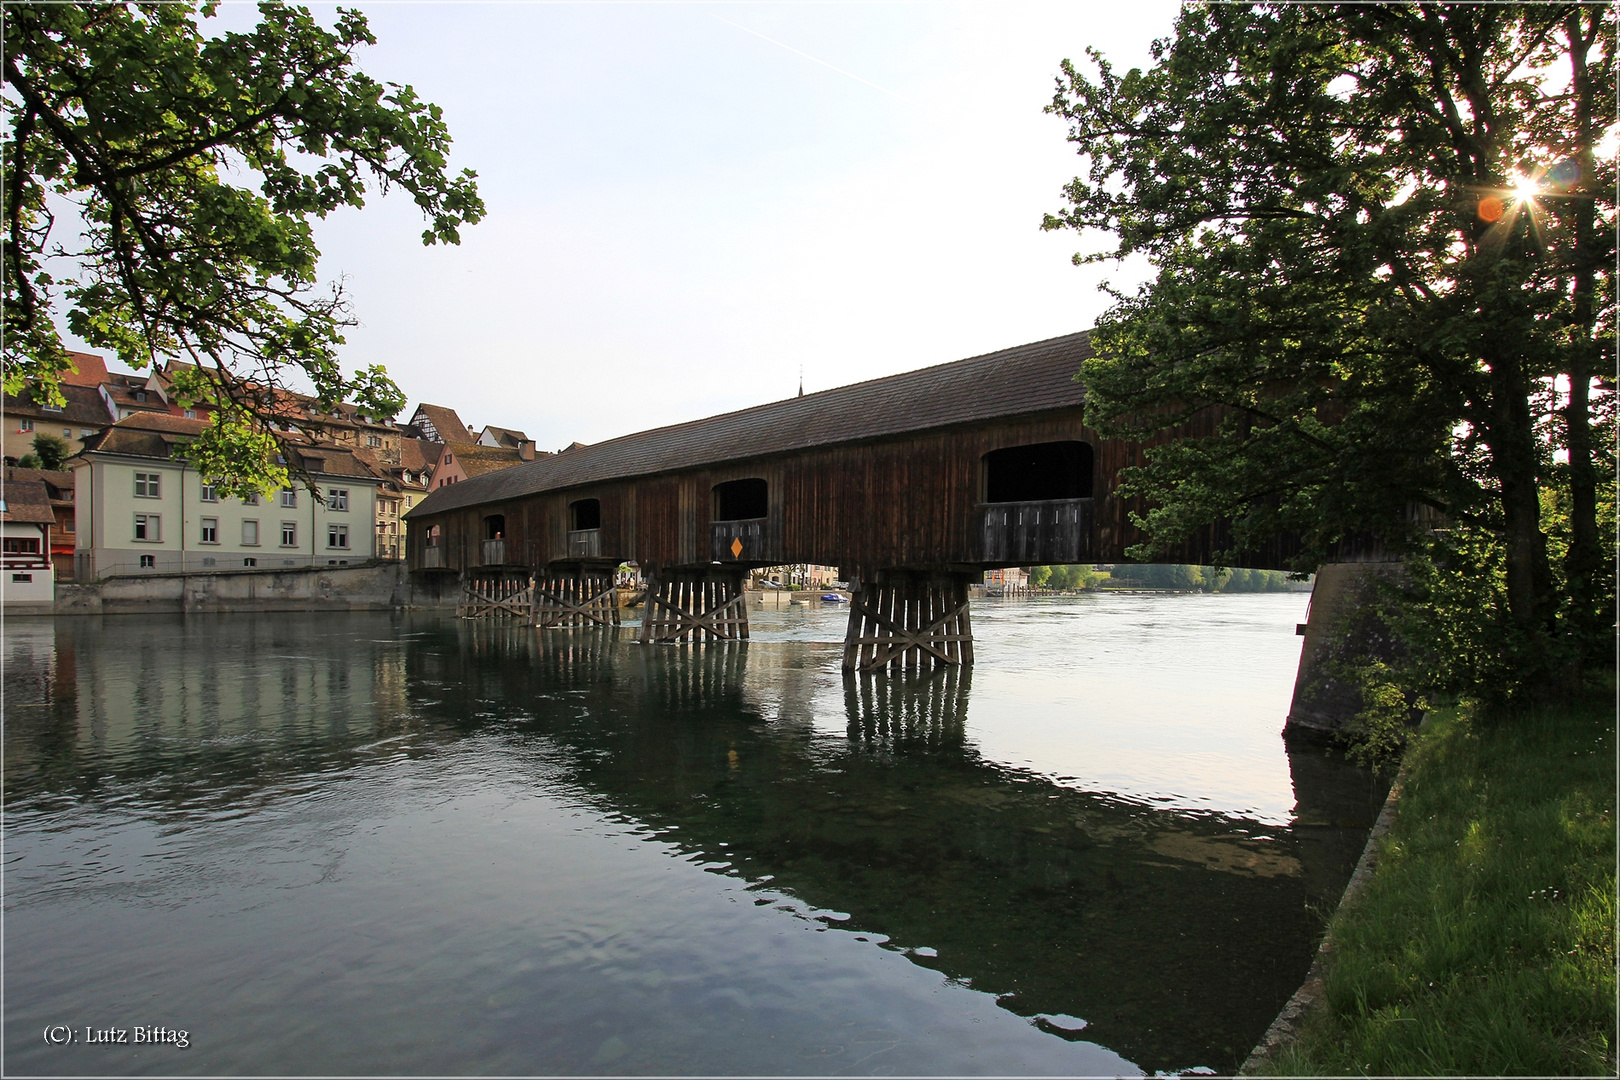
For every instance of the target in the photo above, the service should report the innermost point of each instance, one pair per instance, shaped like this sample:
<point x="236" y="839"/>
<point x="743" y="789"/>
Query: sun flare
<point x="1525" y="189"/>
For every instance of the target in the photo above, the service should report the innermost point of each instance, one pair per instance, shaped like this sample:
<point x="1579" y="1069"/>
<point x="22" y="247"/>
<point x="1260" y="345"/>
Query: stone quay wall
<point x="377" y="586"/>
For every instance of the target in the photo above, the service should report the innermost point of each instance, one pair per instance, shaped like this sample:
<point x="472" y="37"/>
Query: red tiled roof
<point x="444" y="421"/>
<point x="476" y="459"/>
<point x="505" y="437"/>
<point x="92" y="370"/>
<point x="155" y="435"/>
<point x="26" y="502"/>
<point x="58" y="482"/>
<point x="84" y="407"/>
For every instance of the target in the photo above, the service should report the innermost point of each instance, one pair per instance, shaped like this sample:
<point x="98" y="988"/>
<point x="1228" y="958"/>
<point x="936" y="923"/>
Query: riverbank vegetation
<point x="1484" y="944"/>
<point x="1172" y="576"/>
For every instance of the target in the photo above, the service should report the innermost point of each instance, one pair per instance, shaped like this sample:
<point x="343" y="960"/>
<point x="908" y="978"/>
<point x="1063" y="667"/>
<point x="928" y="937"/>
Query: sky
<point x="691" y="203"/>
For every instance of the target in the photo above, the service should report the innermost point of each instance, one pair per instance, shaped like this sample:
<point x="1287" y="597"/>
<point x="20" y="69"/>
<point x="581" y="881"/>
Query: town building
<point x="501" y="437"/>
<point x="405" y="477"/>
<point x="794" y="576"/>
<point x="459" y="460"/>
<point x="26" y="583"/>
<point x="436" y="423"/>
<point x="59" y="493"/>
<point x="82" y="415"/>
<point x="1011" y="581"/>
<point x="142" y="508"/>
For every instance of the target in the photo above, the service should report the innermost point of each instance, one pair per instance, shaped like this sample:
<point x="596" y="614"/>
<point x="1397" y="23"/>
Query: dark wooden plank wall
<point x="909" y="501"/>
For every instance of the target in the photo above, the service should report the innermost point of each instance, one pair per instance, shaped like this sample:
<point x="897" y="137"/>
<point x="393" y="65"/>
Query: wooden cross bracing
<point x="698" y="607"/>
<point x="487" y="597"/>
<point x="576" y="599"/>
<point x="906" y="620"/>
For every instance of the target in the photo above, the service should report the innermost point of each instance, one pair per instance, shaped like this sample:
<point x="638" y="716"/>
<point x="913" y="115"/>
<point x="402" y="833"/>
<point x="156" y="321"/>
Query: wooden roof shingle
<point x="1029" y="378"/>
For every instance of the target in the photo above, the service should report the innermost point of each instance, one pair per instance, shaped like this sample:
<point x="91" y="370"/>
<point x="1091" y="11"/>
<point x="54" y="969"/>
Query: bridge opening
<point x="494" y="526"/>
<point x="1039" y="472"/>
<point x="740" y="500"/>
<point x="585" y="514"/>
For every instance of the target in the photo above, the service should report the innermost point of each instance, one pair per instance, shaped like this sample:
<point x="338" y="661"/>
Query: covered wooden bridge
<point x="911" y="484"/>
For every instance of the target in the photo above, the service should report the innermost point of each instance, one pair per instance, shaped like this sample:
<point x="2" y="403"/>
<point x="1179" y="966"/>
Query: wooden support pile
<point x="698" y="605"/>
<point x="486" y="596"/>
<point x="909" y="620"/>
<point x="575" y="596"/>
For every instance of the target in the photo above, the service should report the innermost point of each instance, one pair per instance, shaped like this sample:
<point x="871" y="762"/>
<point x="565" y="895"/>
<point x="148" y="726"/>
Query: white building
<point x="27" y="585"/>
<point x="141" y="507"/>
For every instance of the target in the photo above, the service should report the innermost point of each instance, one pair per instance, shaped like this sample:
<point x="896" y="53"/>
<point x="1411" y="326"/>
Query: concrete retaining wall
<point x="370" y="587"/>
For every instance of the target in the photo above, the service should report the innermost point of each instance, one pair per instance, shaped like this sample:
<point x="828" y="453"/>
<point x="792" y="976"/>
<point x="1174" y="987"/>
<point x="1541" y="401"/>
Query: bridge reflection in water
<point x="1169" y="937"/>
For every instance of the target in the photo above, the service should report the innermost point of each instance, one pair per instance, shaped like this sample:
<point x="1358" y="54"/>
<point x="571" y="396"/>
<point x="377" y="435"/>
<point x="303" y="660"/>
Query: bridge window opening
<point x="433" y="536"/>
<point x="741" y="500"/>
<point x="1038" y="472"/>
<point x="585" y="514"/>
<point x="494" y="526"/>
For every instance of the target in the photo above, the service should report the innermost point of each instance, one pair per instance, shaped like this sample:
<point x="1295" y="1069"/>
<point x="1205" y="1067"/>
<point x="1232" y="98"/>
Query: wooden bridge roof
<point x="1012" y="382"/>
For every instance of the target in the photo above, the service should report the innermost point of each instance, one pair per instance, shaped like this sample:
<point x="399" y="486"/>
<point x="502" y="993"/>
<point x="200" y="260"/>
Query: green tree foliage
<point x="1384" y="243"/>
<point x="192" y="168"/>
<point x="49" y="450"/>
<point x="1063" y="578"/>
<point x="1200" y="578"/>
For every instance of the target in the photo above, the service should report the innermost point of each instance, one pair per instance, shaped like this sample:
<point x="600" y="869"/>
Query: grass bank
<point x="1485" y="942"/>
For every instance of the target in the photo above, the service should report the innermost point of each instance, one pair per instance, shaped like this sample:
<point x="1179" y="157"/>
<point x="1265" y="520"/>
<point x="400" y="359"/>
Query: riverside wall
<point x="382" y="586"/>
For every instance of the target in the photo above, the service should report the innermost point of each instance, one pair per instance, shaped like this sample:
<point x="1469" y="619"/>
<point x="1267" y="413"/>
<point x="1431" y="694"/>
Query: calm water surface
<point x="407" y="844"/>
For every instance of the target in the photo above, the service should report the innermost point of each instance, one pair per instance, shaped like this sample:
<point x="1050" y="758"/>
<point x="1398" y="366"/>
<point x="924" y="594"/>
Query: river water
<point x="408" y="844"/>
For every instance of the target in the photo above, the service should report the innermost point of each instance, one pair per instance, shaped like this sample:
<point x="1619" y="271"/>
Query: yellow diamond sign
<point x="736" y="547"/>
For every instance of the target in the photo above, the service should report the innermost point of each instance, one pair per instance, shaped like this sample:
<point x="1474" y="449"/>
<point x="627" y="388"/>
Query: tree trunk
<point x="1514" y="463"/>
<point x="1583" y="558"/>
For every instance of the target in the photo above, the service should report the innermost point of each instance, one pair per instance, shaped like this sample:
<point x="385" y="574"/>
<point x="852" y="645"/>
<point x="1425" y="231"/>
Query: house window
<point x="22" y="577"/>
<point x="210" y="530"/>
<point x="148" y="562"/>
<point x="51" y="408"/>
<point x="25" y="425"/>
<point x="21" y="545"/>
<point x="250" y="562"/>
<point x="251" y="499"/>
<point x="67" y="433"/>
<point x="85" y="433"/>
<point x="191" y="414"/>
<point x="337" y="536"/>
<point x="140" y="395"/>
<point x="289" y="534"/>
<point x="337" y="499"/>
<point x="209" y="493"/>
<point x="250" y="534"/>
<point x="148" y="527"/>
<point x="209" y="560"/>
<point x="289" y="498"/>
<point x="373" y="440"/>
<point x="146" y="485"/>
